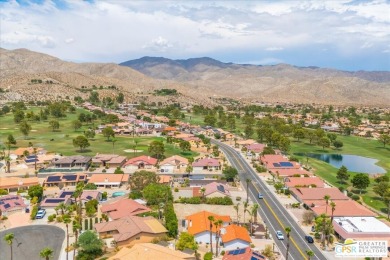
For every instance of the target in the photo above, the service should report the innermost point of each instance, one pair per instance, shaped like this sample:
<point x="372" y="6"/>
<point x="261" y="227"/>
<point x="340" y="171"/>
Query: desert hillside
<point x="281" y="82"/>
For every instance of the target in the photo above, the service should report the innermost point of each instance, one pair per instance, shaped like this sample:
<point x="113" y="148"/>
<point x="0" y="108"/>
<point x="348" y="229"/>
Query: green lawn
<point x="41" y="136"/>
<point x="352" y="145"/>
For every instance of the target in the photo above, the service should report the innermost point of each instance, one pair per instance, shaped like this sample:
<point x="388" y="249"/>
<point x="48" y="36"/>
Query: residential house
<point x="290" y="173"/>
<point x="123" y="207"/>
<point x="75" y="161"/>
<point x="109" y="180"/>
<point x="205" y="165"/>
<point x="243" y="254"/>
<point x="11" y="203"/>
<point x="344" y="208"/>
<point x="150" y="251"/>
<point x="108" y="160"/>
<point x="276" y="161"/>
<point x="213" y="189"/>
<point x="255" y="148"/>
<point x="235" y="237"/>
<point x="88" y="195"/>
<point x="361" y="228"/>
<point x="173" y="164"/>
<point x="65" y="197"/>
<point x="140" y="163"/>
<point x="306" y="195"/>
<point x="131" y="230"/>
<point x="302" y="182"/>
<point x="59" y="179"/>
<point x="198" y="225"/>
<point x="22" y="151"/>
<point x="16" y="183"/>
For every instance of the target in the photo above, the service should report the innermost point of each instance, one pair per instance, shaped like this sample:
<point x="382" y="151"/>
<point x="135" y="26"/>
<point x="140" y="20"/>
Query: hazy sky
<point x="342" y="34"/>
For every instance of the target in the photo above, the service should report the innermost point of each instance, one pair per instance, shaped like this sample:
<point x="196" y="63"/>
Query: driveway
<point x="30" y="240"/>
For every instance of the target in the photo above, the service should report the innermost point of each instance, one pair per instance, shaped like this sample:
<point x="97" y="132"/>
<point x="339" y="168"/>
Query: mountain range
<point x="198" y="80"/>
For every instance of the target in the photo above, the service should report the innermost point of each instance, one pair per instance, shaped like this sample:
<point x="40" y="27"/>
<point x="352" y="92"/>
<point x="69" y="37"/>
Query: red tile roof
<point x="206" y="162"/>
<point x="318" y="193"/>
<point x="122" y="208"/>
<point x="290" y="172"/>
<point x="344" y="208"/>
<point x="234" y="232"/>
<point x="304" y="182"/>
<point x="199" y="222"/>
<point x="147" y="160"/>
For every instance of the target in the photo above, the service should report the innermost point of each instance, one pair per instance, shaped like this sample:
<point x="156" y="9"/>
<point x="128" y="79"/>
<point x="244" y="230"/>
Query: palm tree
<point x="77" y="194"/>
<point x="46" y="253"/>
<point x="66" y="221"/>
<point x="309" y="254"/>
<point x="247" y="188"/>
<point x="61" y="207"/>
<point x="254" y="209"/>
<point x="9" y="238"/>
<point x="333" y="208"/>
<point x="246" y="204"/>
<point x="237" y="207"/>
<point x="202" y="191"/>
<point x="218" y="224"/>
<point x="211" y="219"/>
<point x="76" y="228"/>
<point x="288" y="230"/>
<point x="326" y="198"/>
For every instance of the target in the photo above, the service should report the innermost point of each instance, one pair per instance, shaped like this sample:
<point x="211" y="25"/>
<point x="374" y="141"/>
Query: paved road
<point x="30" y="240"/>
<point x="271" y="210"/>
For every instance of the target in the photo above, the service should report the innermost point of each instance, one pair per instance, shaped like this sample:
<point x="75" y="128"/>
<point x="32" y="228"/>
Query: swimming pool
<point x="118" y="193"/>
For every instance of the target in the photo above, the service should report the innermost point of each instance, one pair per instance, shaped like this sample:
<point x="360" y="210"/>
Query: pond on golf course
<point x="354" y="163"/>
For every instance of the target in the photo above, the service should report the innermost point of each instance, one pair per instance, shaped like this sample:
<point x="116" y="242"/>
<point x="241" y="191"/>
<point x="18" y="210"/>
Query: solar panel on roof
<point x="1" y="202"/>
<point x="30" y="160"/>
<point x="70" y="177"/>
<point x="89" y="197"/>
<point x="276" y="164"/>
<point x="254" y="258"/>
<point x="241" y="251"/>
<point x="81" y="177"/>
<point x="221" y="188"/>
<point x="286" y="164"/>
<point x="66" y="193"/>
<point x="53" y="178"/>
<point x="54" y="200"/>
<point x="256" y="254"/>
<point x="236" y="252"/>
<point x="6" y="206"/>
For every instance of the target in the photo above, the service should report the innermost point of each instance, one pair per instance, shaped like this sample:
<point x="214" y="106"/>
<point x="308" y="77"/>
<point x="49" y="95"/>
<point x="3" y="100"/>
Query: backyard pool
<point x="118" y="194"/>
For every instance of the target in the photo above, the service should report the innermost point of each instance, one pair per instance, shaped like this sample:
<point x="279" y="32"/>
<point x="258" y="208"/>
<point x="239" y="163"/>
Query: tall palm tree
<point x="333" y="208"/>
<point x="218" y="224"/>
<point x="237" y="208"/>
<point x="326" y="198"/>
<point x="46" y="253"/>
<point x="211" y="219"/>
<point x="288" y="230"/>
<point x="247" y="188"/>
<point x="254" y="209"/>
<point x="66" y="221"/>
<point x="9" y="238"/>
<point x="77" y="194"/>
<point x="76" y="228"/>
<point x="309" y="254"/>
<point x="246" y="204"/>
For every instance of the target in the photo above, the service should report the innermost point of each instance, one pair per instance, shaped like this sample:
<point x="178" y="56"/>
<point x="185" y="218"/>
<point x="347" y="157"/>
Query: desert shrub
<point x="238" y="198"/>
<point x="176" y="189"/>
<point x="51" y="218"/>
<point x="219" y="201"/>
<point x="34" y="212"/>
<point x="355" y="197"/>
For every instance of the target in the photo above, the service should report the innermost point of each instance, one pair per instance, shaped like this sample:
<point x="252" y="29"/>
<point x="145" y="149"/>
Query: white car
<point x="40" y="214"/>
<point x="279" y="235"/>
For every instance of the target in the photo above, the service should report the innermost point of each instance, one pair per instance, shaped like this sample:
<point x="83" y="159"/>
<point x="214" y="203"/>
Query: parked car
<point x="261" y="196"/>
<point x="279" y="235"/>
<point x="309" y="239"/>
<point x="40" y="214"/>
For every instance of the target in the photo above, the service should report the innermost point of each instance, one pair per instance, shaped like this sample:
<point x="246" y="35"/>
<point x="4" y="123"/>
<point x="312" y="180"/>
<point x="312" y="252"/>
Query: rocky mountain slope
<point x="19" y="67"/>
<point x="284" y="83"/>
